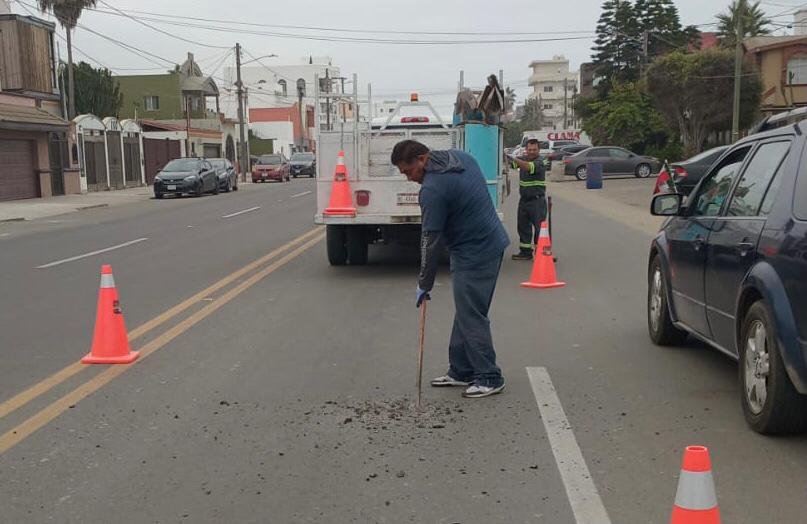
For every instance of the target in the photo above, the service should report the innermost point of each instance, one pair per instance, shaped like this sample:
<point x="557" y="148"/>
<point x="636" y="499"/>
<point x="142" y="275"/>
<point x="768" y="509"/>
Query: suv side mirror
<point x="667" y="205"/>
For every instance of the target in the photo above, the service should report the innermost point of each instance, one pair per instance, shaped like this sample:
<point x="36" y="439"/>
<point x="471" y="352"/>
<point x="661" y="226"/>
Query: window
<point x="715" y="189"/>
<point x="548" y="89"/>
<point x="300" y="87"/>
<point x="547" y="106"/>
<point x="800" y="200"/>
<point x="284" y="88"/>
<point x="797" y="70"/>
<point x="151" y="103"/>
<point x="752" y="187"/>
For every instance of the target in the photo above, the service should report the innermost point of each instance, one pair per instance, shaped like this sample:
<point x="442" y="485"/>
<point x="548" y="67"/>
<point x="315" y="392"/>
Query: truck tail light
<point x="680" y="172"/>
<point x="362" y="198"/>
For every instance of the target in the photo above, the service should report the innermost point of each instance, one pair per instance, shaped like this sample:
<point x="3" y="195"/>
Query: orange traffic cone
<point x="110" y="343"/>
<point x="543" y="268"/>
<point x="696" y="500"/>
<point x="341" y="203"/>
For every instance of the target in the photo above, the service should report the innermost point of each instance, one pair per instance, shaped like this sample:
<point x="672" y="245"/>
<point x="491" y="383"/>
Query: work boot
<point x="523" y="255"/>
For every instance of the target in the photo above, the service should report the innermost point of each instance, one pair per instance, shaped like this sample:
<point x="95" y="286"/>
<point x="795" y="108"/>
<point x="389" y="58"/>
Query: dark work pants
<point x="471" y="355"/>
<point x="531" y="212"/>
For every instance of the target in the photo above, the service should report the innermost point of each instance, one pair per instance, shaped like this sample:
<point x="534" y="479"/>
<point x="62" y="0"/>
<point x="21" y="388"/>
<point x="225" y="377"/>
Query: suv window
<point x="800" y="204"/>
<point x="715" y="189"/>
<point x="752" y="187"/>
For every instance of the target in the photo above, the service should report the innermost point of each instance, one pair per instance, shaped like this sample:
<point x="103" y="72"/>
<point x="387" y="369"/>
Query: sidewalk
<point x="34" y="208"/>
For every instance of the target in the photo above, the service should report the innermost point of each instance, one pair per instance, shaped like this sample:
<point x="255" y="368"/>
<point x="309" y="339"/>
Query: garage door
<point x="212" y="151"/>
<point x="17" y="176"/>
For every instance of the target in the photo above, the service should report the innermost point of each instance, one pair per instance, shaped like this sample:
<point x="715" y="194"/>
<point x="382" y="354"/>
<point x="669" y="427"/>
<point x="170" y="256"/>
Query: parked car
<point x="688" y="173"/>
<point x="180" y="176"/>
<point x="271" y="167"/>
<point x="225" y="170"/>
<point x="729" y="267"/>
<point x="614" y="160"/>
<point x="550" y="146"/>
<point x="561" y="152"/>
<point x="303" y="164"/>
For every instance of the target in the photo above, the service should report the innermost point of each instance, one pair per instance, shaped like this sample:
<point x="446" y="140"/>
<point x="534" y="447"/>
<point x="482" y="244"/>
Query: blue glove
<point x="420" y="296"/>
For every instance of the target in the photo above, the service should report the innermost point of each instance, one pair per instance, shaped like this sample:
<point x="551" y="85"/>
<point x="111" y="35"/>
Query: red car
<point x="271" y="167"/>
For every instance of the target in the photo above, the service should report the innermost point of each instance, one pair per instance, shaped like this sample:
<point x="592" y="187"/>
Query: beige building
<point x="554" y="86"/>
<point x="782" y="63"/>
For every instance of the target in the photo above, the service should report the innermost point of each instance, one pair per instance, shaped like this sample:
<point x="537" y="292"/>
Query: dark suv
<point x="729" y="267"/>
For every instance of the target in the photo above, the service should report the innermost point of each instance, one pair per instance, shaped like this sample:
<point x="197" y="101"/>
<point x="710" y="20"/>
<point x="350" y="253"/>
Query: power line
<point x="348" y="30"/>
<point x="122" y="13"/>
<point x="229" y="30"/>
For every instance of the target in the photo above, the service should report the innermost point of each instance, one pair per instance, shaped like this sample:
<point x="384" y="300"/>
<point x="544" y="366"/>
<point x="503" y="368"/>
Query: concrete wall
<point x="282" y="133"/>
<point x="135" y="88"/>
<point x="773" y="68"/>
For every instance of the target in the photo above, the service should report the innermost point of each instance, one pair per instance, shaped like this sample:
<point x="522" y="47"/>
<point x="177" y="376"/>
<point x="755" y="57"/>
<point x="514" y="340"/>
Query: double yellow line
<point x="17" y="434"/>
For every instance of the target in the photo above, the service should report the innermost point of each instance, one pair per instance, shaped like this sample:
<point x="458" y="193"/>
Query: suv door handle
<point x="744" y="247"/>
<point x="697" y="243"/>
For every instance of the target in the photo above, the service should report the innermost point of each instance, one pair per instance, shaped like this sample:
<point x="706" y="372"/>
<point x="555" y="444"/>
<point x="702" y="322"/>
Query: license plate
<point x="171" y="188"/>
<point x="408" y="199"/>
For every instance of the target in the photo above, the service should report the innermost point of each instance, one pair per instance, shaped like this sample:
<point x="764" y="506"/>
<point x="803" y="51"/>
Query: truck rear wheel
<point x="357" y="246"/>
<point x="337" y="249"/>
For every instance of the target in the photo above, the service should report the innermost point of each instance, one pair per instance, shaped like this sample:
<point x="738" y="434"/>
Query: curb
<point x="15" y="219"/>
<point x="94" y="206"/>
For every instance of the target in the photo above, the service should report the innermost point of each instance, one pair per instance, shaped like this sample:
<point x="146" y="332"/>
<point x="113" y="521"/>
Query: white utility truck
<point x="386" y="203"/>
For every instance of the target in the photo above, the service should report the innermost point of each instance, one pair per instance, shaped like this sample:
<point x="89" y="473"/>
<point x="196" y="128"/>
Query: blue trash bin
<point x="594" y="176"/>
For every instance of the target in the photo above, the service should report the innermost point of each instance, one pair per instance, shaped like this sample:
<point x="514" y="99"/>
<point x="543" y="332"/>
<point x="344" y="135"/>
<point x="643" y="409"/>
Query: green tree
<point x="97" y="91"/>
<point x="662" y="22"/>
<point x="531" y="119"/>
<point x="690" y="91"/>
<point x="617" y="48"/>
<point x="67" y="12"/>
<point x="626" y="118"/>
<point x="754" y="21"/>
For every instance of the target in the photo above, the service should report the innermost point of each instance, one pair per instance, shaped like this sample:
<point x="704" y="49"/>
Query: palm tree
<point x="67" y="12"/>
<point x="509" y="99"/>
<point x="754" y="22"/>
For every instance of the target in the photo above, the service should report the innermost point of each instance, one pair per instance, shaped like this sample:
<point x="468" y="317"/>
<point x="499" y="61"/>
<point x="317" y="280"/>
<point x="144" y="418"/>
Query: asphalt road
<point x="282" y="393"/>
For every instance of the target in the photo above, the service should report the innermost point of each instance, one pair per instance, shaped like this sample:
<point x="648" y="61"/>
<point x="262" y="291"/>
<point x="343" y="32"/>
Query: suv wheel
<point x="336" y="244"/>
<point x="643" y="171"/>
<point x="659" y="323"/>
<point x="581" y="173"/>
<point x="771" y="404"/>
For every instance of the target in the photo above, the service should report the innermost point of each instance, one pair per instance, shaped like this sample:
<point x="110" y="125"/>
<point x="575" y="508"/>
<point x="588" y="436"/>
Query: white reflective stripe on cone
<point x="544" y="232"/>
<point x="696" y="491"/>
<point x="107" y="281"/>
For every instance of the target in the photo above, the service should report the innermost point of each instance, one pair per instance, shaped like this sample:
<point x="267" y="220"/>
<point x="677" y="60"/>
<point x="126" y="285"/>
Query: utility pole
<point x="738" y="68"/>
<point x="344" y="106"/>
<point x="645" y="50"/>
<point x="188" y="126"/>
<point x="328" y="99"/>
<point x="565" y="103"/>
<point x="240" y="88"/>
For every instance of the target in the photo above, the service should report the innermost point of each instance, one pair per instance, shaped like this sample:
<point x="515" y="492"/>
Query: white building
<point x="268" y="84"/>
<point x="554" y="86"/>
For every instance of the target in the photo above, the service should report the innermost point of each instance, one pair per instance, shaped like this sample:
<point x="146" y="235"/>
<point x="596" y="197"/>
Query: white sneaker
<point x="476" y="391"/>
<point x="446" y="381"/>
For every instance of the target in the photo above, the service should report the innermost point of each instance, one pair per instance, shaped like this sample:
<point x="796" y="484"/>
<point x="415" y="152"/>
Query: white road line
<point x="586" y="503"/>
<point x="300" y="194"/>
<point x="231" y="215"/>
<point x="93" y="253"/>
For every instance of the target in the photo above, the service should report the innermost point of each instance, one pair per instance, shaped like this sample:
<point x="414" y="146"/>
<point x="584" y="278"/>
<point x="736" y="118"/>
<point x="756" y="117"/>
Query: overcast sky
<point x="393" y="69"/>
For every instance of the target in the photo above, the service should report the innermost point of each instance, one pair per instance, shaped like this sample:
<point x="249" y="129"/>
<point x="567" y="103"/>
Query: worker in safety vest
<point x="459" y="214"/>
<point x="532" y="202"/>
